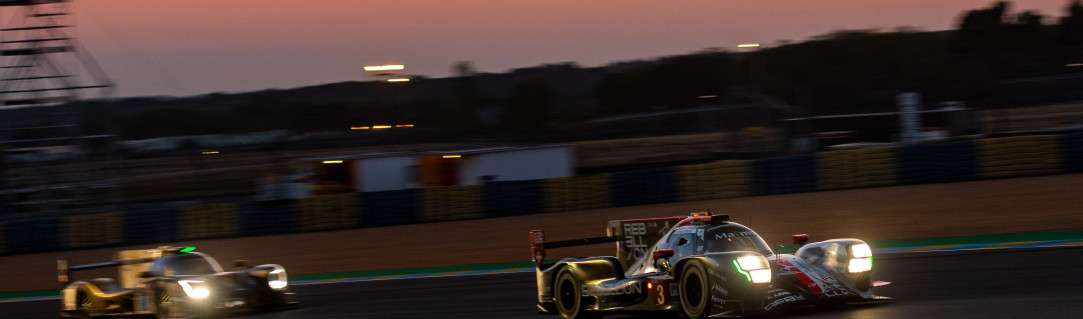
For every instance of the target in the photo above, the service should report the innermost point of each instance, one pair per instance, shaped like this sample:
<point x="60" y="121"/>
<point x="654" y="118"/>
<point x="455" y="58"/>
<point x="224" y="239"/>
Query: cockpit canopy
<point x="186" y="264"/>
<point x="704" y="239"/>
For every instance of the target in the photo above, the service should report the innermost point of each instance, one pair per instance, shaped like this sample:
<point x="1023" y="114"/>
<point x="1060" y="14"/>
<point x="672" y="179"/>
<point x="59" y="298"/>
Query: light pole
<point x="392" y="73"/>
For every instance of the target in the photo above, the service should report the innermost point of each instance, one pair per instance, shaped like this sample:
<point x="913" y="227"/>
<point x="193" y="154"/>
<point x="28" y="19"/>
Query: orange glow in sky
<point x="202" y="46"/>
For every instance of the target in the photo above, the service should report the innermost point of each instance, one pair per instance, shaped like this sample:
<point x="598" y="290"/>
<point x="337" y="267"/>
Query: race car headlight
<point x="861" y="251"/>
<point x="861" y="258"/>
<point x="277" y="278"/>
<point x="860" y="265"/>
<point x="755" y="268"/>
<point x="195" y="288"/>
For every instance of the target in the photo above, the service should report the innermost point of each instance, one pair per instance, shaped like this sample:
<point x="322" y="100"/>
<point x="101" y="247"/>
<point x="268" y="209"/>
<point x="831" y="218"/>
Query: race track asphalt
<point x="1004" y="283"/>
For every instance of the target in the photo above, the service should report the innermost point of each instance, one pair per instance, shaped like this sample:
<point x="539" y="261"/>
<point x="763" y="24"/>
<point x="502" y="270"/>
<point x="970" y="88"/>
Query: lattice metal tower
<point x="43" y="72"/>
<point x="41" y="59"/>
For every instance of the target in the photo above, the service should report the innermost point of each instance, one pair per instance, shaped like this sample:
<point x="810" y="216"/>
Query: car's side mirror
<point x="240" y="263"/>
<point x="800" y="239"/>
<point x="661" y="259"/>
<point x="662" y="253"/>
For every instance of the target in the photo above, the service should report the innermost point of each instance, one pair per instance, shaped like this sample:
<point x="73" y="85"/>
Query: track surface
<point x="1007" y="283"/>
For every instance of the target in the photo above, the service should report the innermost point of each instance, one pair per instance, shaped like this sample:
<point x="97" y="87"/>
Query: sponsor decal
<point x="721" y="303"/>
<point x="633" y="240"/>
<point x="721" y="290"/>
<point x="717" y="275"/>
<point x="612" y="290"/>
<point x="732" y="235"/>
<point x="673" y="291"/>
<point x="838" y="293"/>
<point x="777" y="293"/>
<point x="787" y="299"/>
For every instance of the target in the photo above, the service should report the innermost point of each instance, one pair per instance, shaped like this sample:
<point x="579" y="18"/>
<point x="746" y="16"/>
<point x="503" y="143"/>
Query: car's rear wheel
<point x="694" y="290"/>
<point x="83" y="305"/>
<point x="566" y="295"/>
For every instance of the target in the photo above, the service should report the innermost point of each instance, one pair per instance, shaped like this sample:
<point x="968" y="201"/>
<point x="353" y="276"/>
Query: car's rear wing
<point x="538" y="244"/>
<point x="63" y="270"/>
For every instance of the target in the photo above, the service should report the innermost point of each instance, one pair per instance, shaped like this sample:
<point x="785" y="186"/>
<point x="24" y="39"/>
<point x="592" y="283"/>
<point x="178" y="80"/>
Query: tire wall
<point x="955" y="161"/>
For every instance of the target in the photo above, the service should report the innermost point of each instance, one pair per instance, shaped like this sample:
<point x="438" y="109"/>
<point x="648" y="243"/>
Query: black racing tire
<point x="695" y="292"/>
<point x="83" y="305"/>
<point x="567" y="297"/>
<point x="169" y="302"/>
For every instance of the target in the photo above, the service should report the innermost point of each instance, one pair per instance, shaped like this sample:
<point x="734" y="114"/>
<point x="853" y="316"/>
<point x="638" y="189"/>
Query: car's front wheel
<point x="169" y="302"/>
<point x="694" y="290"/>
<point x="569" y="301"/>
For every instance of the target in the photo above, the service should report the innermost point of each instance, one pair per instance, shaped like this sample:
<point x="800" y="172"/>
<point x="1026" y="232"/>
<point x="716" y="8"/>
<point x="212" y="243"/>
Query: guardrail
<point x="874" y="167"/>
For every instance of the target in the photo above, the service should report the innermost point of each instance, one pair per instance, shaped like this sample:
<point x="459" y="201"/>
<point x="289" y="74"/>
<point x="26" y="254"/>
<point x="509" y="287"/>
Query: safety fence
<point x="873" y="167"/>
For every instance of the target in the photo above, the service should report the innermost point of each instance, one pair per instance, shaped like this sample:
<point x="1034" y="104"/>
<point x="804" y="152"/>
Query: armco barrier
<point x="512" y="198"/>
<point x="388" y="208"/>
<point x="265" y="218"/>
<point x="721" y="179"/>
<point x="156" y="225"/>
<point x="869" y="167"/>
<point x="784" y="175"/>
<point x="93" y="230"/>
<point x="643" y="187"/>
<point x="451" y="203"/>
<point x="208" y="221"/>
<point x="36" y="235"/>
<point x="565" y="194"/>
<point x="1071" y="147"/>
<point x="325" y="212"/>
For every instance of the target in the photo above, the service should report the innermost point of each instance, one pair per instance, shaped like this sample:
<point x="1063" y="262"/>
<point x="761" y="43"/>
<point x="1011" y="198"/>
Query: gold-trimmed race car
<point x="170" y="282"/>
<point x="699" y="266"/>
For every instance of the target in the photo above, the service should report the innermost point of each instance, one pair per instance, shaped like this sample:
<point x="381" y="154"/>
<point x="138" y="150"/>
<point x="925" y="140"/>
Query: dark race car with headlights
<point x="171" y="282"/>
<point x="700" y="266"/>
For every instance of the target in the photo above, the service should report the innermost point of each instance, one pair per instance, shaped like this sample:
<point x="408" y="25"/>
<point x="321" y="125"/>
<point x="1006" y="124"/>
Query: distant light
<point x="381" y="127"/>
<point x="748" y="45"/>
<point x="210" y="152"/>
<point x="1073" y="64"/>
<point x="708" y="96"/>
<point x="359" y="127"/>
<point x="386" y="67"/>
<point x="398" y="80"/>
<point x="404" y="125"/>
<point x="452" y="156"/>
<point x="333" y="162"/>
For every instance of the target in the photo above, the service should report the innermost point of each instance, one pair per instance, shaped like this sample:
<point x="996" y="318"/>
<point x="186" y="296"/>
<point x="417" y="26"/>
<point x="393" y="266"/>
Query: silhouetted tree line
<point x="995" y="57"/>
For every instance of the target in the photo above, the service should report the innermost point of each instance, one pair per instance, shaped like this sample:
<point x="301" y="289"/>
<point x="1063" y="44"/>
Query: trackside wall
<point x="955" y="161"/>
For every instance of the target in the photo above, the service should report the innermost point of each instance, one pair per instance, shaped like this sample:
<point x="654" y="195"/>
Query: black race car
<point x="171" y="282"/>
<point x="701" y="266"/>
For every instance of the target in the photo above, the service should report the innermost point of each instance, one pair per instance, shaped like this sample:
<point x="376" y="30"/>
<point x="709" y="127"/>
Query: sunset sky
<point x="192" y="47"/>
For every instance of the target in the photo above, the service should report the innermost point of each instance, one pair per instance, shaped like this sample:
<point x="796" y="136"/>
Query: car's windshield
<point x="191" y="265"/>
<point x="734" y="237"/>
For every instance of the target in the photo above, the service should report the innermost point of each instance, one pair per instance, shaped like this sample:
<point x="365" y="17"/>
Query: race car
<point x="699" y="266"/>
<point x="170" y="282"/>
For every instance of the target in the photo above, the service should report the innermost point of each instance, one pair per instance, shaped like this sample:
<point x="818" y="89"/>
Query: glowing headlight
<point x="861" y="251"/>
<point x="195" y="288"/>
<point x="755" y="268"/>
<point x="860" y="265"/>
<point x="752" y="262"/>
<point x="277" y="278"/>
<point x="761" y="276"/>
